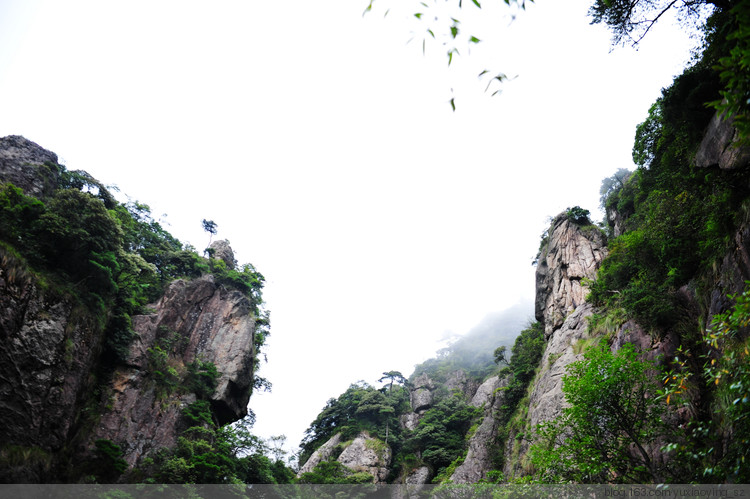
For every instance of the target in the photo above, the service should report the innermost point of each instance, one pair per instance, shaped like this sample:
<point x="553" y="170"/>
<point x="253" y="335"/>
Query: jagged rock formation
<point x="718" y="147"/>
<point x="48" y="348"/>
<point x="573" y="253"/>
<point x="421" y="394"/>
<point x="323" y="453"/>
<point x="364" y="454"/>
<point x="25" y="164"/>
<point x="214" y="325"/>
<point x="56" y="395"/>
<point x="368" y="455"/>
<point x="732" y="273"/>
<point x="223" y="251"/>
<point x="459" y="382"/>
<point x="479" y="458"/>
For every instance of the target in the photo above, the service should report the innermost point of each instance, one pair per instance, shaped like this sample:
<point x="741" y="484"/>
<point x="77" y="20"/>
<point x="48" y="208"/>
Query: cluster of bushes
<point x="209" y="454"/>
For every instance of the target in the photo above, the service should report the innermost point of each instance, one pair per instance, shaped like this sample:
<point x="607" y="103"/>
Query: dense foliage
<point x="526" y="354"/>
<point x="678" y="217"/>
<point x="209" y="454"/>
<point x="610" y="429"/>
<point x="717" y="447"/>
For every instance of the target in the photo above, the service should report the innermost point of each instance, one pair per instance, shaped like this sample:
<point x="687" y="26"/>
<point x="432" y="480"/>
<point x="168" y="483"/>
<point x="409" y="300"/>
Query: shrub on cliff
<point x="610" y="429"/>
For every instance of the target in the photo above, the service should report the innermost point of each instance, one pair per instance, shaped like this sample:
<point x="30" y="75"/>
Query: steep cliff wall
<point x="63" y="386"/>
<point x="203" y="321"/>
<point x="49" y="348"/>
<point x="479" y="456"/>
<point x="573" y="253"/>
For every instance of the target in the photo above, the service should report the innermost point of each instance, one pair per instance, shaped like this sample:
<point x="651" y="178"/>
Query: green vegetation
<point x="526" y="355"/>
<point x="206" y="453"/>
<point x="610" y="430"/>
<point x="441" y="433"/>
<point x="578" y="215"/>
<point x="360" y="408"/>
<point x="111" y="256"/>
<point x="679" y="217"/>
<point x="717" y="447"/>
<point x="333" y="472"/>
<point x="111" y="259"/>
<point x="171" y="375"/>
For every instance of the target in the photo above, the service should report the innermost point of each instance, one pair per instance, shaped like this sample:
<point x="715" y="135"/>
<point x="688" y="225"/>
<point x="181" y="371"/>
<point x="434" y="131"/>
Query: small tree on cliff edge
<point x="210" y="227"/>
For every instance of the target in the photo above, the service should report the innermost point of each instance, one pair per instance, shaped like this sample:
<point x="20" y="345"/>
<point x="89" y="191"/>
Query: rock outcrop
<point x="421" y="393"/>
<point x="206" y="322"/>
<point x="719" y="146"/>
<point x="223" y="251"/>
<point x="364" y="454"/>
<point x="323" y="453"/>
<point x="368" y="455"/>
<point x="572" y="254"/>
<point x="56" y="394"/>
<point x="48" y="350"/>
<point x="479" y="458"/>
<point x="28" y="166"/>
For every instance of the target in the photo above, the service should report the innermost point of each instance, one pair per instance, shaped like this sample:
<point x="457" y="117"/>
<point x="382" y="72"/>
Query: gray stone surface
<point x="572" y="254"/>
<point x="718" y="147"/>
<point x="224" y="252"/>
<point x="216" y="325"/>
<point x="323" y="453"/>
<point x="22" y="163"/>
<point x="368" y="455"/>
<point x="479" y="456"/>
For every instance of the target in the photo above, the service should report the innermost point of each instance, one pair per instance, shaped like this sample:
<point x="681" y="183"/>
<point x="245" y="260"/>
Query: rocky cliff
<point x="364" y="454"/>
<point x="571" y="256"/>
<point x="61" y="386"/>
<point x="48" y="352"/>
<point x="200" y="320"/>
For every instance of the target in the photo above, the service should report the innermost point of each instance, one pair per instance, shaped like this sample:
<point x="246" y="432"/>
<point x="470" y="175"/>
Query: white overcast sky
<point x="324" y="147"/>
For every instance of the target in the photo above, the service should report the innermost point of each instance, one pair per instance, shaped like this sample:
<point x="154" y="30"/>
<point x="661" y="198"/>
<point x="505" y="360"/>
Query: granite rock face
<point x="479" y="458"/>
<point x="48" y="350"/>
<point x="368" y="455"/>
<point x="421" y="393"/>
<point x="25" y="164"/>
<point x="718" y="147"/>
<point x="364" y="454"/>
<point x="209" y="323"/>
<point x="322" y="453"/>
<point x="223" y="251"/>
<point x="572" y="254"/>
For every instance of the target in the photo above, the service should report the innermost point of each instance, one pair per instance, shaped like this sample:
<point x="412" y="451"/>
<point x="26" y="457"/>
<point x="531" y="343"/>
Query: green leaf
<point x="453" y="104"/>
<point x="418" y="15"/>
<point x="454" y="31"/>
<point x="476" y="3"/>
<point x="431" y="33"/>
<point x="474" y="39"/>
